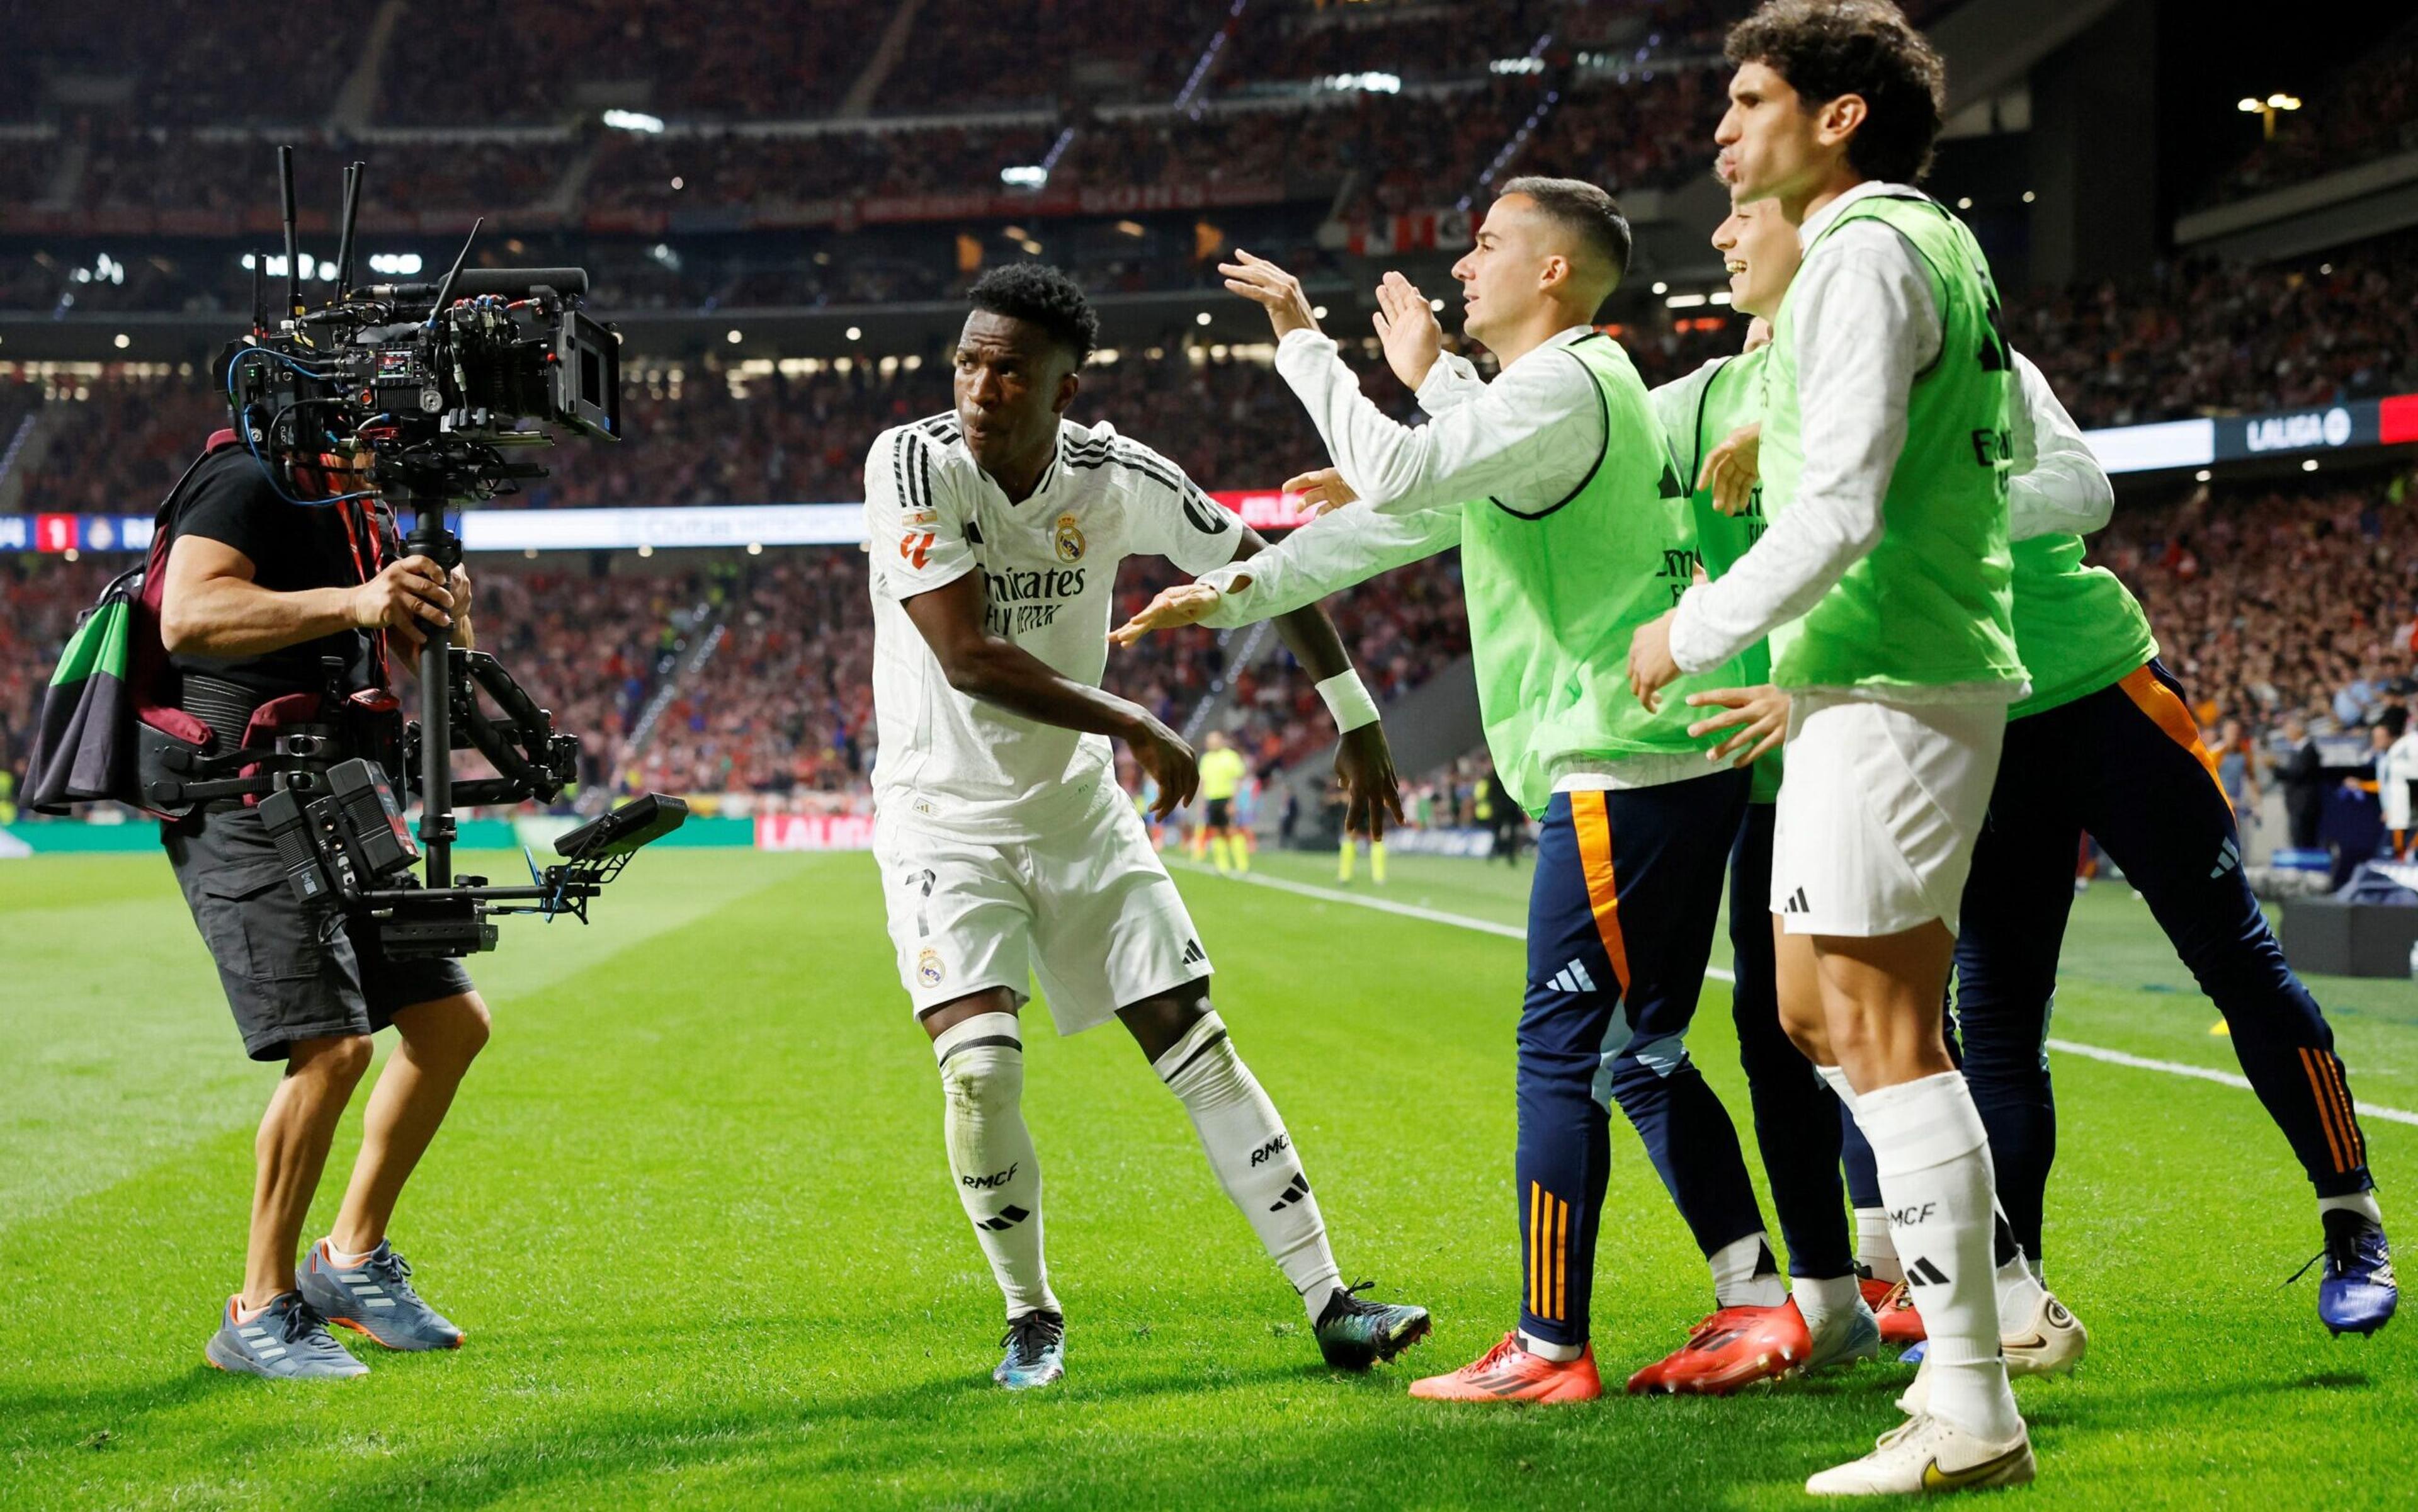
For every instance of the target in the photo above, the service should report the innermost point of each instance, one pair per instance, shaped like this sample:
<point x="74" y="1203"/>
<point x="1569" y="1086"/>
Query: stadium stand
<point x="2367" y="112"/>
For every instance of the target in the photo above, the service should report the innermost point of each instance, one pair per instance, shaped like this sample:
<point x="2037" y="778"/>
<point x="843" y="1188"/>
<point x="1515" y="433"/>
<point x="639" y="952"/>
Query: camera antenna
<point x="259" y="293"/>
<point x="293" y="256"/>
<point x="453" y="274"/>
<point x="354" y="173"/>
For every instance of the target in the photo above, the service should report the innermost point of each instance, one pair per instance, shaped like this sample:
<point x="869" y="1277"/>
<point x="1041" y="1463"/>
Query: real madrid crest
<point x="928" y="969"/>
<point x="1069" y="538"/>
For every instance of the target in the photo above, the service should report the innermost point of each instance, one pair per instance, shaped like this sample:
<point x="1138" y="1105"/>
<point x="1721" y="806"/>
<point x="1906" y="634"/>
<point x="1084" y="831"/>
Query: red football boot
<point x="1901" y="1325"/>
<point x="1508" y="1373"/>
<point x="1735" y="1347"/>
<point x="1876" y="1291"/>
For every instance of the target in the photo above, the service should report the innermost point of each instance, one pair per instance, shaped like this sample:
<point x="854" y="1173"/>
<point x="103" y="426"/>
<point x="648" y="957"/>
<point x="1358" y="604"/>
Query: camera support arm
<point x="430" y="538"/>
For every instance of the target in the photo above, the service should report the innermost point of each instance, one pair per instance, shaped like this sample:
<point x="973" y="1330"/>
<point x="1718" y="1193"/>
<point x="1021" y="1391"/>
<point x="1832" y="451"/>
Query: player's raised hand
<point x="1272" y="289"/>
<point x="1186" y="603"/>
<point x="1364" y="764"/>
<point x="1170" y="763"/>
<point x="1759" y="717"/>
<point x="1407" y="327"/>
<point x="1651" y="668"/>
<point x="1733" y="468"/>
<point x="1324" y="491"/>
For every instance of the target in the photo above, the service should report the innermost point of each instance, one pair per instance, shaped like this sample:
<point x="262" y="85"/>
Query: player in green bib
<point x="2103" y="744"/>
<point x="1575" y="528"/>
<point x="1883" y="583"/>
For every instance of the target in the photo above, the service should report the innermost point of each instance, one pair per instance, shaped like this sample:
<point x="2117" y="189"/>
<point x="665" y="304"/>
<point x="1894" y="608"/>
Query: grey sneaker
<point x="375" y="1298"/>
<point x="288" y="1340"/>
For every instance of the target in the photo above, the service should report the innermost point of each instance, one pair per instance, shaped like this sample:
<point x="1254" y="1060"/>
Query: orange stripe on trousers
<point x="2350" y="1114"/>
<point x="2166" y="711"/>
<point x="1561" y="1258"/>
<point x="2324" y="1094"/>
<point x="1536" y="1249"/>
<point x="2327" y="1068"/>
<point x="1591" y="817"/>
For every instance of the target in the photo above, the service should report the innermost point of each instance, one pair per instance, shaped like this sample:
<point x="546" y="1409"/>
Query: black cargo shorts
<point x="292" y="970"/>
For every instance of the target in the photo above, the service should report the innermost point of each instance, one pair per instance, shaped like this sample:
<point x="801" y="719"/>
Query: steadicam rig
<point x="442" y="385"/>
<point x="438" y="386"/>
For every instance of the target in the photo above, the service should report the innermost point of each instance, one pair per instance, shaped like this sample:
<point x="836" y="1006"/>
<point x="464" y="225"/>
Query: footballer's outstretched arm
<point x="1363" y="760"/>
<point x="998" y="671"/>
<point x="1332" y="553"/>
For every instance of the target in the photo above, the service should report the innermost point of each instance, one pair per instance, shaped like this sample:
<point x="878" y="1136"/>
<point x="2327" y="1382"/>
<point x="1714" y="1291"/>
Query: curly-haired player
<point x="1007" y="852"/>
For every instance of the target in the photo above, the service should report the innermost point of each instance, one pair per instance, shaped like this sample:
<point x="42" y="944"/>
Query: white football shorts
<point x="1088" y="911"/>
<point x="1880" y="812"/>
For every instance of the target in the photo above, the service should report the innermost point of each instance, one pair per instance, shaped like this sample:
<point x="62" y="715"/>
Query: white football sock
<point x="1744" y="1276"/>
<point x="1253" y="1156"/>
<point x="1545" y="1348"/>
<point x="2360" y="1203"/>
<point x="1826" y="1302"/>
<point x="1838" y="1080"/>
<point x="990" y="1154"/>
<point x="1875" y="1252"/>
<point x="2020" y="1291"/>
<point x="1933" y="1159"/>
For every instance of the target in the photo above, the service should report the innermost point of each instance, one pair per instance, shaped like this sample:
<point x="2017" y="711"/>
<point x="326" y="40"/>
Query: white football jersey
<point x="1049" y="564"/>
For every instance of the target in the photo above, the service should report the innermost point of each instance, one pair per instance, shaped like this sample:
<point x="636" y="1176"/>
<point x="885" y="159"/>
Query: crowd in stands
<point x="2369" y="111"/>
<point x="2272" y="605"/>
<point x="2275" y="604"/>
<point x="537" y="60"/>
<point x="191" y="66"/>
<point x="2197" y="339"/>
<point x="2214" y="337"/>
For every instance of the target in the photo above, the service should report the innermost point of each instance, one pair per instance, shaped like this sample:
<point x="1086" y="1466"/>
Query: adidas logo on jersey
<point x="1574" y="978"/>
<point x="2226" y="859"/>
<point x="1193" y="953"/>
<point x="1796" y="903"/>
<point x="1294" y="1191"/>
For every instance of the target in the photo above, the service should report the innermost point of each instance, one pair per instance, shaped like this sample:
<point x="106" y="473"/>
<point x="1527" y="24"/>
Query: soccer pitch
<point x="693" y="1211"/>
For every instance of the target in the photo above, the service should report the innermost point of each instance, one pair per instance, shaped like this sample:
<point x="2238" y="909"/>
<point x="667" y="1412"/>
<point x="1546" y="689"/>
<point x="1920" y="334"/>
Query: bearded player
<point x="1007" y="850"/>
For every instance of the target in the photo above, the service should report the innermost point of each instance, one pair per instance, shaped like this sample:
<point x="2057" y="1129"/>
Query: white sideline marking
<point x="2224" y="1078"/>
<point x="2094" y="1052"/>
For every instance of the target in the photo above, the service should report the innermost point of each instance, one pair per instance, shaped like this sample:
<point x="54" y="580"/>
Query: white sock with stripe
<point x="1933" y="1159"/>
<point x="1253" y="1156"/>
<point x="2362" y="1203"/>
<point x="1744" y="1275"/>
<point x="990" y="1154"/>
<point x="1875" y="1250"/>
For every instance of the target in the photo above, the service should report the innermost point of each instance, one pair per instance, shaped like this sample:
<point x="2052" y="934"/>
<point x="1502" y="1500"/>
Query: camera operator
<point x="261" y="599"/>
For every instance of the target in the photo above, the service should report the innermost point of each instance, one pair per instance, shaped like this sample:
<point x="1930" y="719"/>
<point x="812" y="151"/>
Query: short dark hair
<point x="1045" y="297"/>
<point x="1585" y="210"/>
<point x="1829" y="48"/>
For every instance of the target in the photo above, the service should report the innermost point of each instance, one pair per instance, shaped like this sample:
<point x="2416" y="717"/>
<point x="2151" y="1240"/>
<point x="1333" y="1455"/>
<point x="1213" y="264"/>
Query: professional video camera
<point x="437" y="385"/>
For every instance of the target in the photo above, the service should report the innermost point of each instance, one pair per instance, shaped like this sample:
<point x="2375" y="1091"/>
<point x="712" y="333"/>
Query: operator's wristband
<point x="1348" y="700"/>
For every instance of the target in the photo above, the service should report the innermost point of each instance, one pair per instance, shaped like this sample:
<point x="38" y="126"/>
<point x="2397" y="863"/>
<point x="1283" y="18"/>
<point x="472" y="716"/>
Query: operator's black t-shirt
<point x="292" y="547"/>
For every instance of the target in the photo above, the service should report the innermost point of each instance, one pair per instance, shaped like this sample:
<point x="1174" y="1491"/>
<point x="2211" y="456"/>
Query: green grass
<point x="694" y="1211"/>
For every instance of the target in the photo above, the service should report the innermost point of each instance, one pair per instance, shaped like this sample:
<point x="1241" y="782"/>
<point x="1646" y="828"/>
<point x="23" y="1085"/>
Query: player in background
<point x="1222" y="771"/>
<point x="2103" y="744"/>
<point x="1882" y="583"/>
<point x="2395" y="770"/>
<point x="1007" y="851"/>
<point x="1349" y="851"/>
<point x="1555" y="482"/>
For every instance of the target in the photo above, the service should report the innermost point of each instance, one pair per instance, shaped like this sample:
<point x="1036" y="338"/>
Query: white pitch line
<point x="2223" y="1079"/>
<point x="1462" y="921"/>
